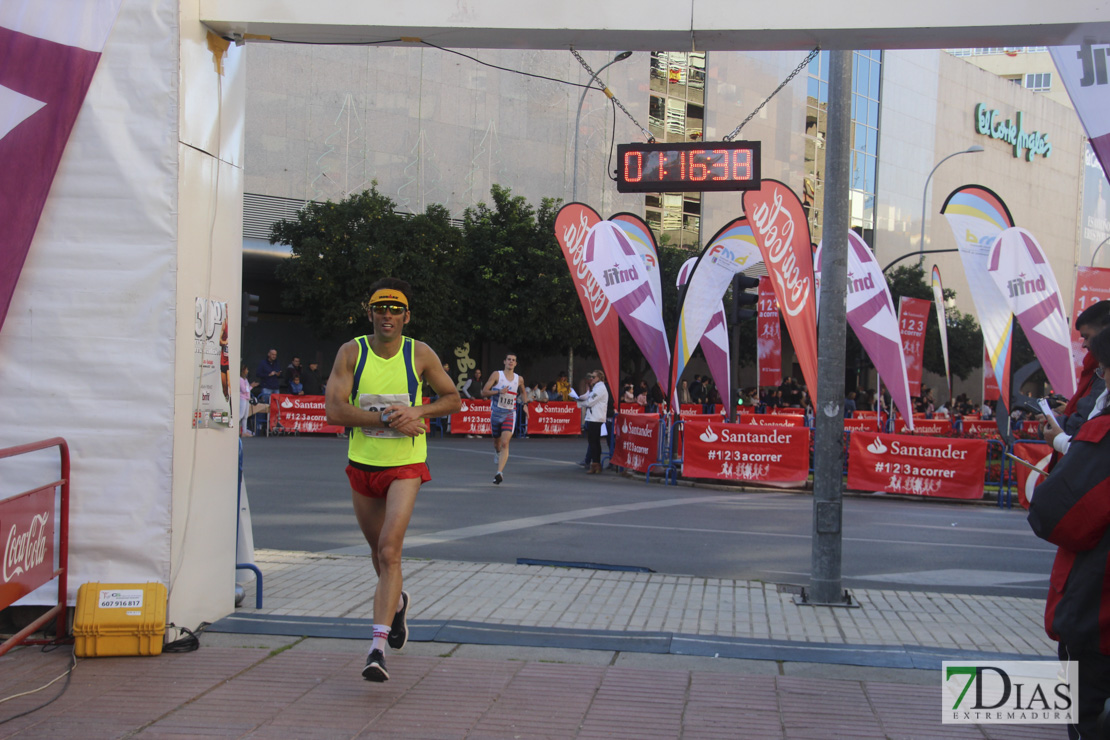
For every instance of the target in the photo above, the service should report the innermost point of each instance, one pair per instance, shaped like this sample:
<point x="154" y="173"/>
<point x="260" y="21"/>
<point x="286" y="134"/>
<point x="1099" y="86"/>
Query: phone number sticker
<point x="125" y="599"/>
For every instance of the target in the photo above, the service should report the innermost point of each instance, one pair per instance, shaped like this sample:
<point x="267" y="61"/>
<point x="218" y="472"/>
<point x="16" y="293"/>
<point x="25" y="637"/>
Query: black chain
<point x="799" y="68"/>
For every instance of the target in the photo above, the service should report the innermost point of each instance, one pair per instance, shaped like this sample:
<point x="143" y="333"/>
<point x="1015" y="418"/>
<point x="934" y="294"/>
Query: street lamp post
<point x="1100" y="246"/>
<point x="924" y="193"/>
<point x="574" y="182"/>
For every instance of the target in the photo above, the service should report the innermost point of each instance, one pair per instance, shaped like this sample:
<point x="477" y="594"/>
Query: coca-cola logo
<point x="776" y="228"/>
<point x="26" y="550"/>
<point x="574" y="242"/>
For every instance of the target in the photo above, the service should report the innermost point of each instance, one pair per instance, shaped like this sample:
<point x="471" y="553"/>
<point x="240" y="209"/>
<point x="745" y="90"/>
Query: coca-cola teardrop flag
<point x="782" y="233"/>
<point x="768" y="339"/>
<point x="643" y="241"/>
<point x="913" y="317"/>
<point x="977" y="216"/>
<point x="731" y="250"/>
<point x="871" y="315"/>
<point x="572" y="226"/>
<point x="1019" y="268"/>
<point x="618" y="270"/>
<point x="942" y="324"/>
<point x="48" y="54"/>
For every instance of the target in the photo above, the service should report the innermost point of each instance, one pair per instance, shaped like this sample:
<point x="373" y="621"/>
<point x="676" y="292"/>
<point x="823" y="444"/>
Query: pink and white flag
<point x="48" y="54"/>
<point x="872" y="318"/>
<point x="643" y="241"/>
<point x="619" y="272"/>
<point x="1083" y="69"/>
<point x="1022" y="273"/>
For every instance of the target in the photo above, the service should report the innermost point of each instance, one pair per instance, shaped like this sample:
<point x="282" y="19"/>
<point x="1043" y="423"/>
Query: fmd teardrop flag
<point x="1022" y="273"/>
<point x="1083" y="69"/>
<point x="48" y="54"/>
<point x="782" y="233"/>
<point x="977" y="216"/>
<point x="643" y="241"/>
<point x="731" y="250"/>
<point x="871" y="315"/>
<point x="942" y="321"/>
<point x="572" y="226"/>
<point x="619" y="271"/>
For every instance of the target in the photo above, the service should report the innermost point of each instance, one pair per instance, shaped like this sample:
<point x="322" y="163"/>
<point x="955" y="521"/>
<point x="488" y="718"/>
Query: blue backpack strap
<point x="363" y="351"/>
<point x="409" y="351"/>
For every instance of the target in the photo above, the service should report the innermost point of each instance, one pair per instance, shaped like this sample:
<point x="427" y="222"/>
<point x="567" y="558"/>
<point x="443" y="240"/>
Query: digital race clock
<point x="688" y="167"/>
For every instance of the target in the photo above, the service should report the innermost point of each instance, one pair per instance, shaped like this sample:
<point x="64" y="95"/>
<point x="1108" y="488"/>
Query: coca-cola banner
<point x="922" y="466"/>
<point x="572" y="225"/>
<point x="472" y="417"/>
<point x="1036" y="454"/>
<point x="27" y="529"/>
<point x="768" y="340"/>
<point x="637" y="441"/>
<point x="299" y="414"/>
<point x="1092" y="284"/>
<point x="772" y="420"/>
<point x="782" y="233"/>
<point x="913" y="315"/>
<point x="553" y="417"/>
<point x="924" y="426"/>
<point x="740" y="452"/>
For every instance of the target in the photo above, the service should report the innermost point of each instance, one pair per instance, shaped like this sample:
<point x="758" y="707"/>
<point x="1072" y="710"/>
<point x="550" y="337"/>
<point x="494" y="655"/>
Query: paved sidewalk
<point x="498" y="651"/>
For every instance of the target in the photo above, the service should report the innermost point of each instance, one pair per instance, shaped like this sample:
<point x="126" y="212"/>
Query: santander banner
<point x="913" y="316"/>
<point x="782" y="233"/>
<point x="300" y="414"/>
<point x="472" y="417"/>
<point x="1035" y="454"/>
<point x="924" y="426"/>
<point x="617" y="268"/>
<point x="772" y="420"/>
<point x="27" y="529"/>
<point x="637" y="441"/>
<point x="554" y="417"/>
<point x="945" y="468"/>
<point x="768" y="339"/>
<point x="572" y="224"/>
<point x="1092" y="284"/>
<point x="1019" y="268"/>
<point x="738" y="452"/>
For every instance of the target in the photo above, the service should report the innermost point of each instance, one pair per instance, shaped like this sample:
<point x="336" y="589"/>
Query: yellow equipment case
<point x="119" y="619"/>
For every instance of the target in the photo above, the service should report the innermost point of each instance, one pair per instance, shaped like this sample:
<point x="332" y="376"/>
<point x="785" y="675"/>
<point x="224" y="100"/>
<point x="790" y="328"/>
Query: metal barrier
<point x="19" y="590"/>
<point x="996" y="450"/>
<point x="238" y="509"/>
<point x="669" y="464"/>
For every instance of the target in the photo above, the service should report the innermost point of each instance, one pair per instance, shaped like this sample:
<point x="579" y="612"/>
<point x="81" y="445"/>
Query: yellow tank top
<point x="379" y="384"/>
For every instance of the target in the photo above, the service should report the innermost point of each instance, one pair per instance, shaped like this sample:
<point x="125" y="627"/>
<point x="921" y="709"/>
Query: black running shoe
<point x="497" y="478"/>
<point x="399" y="630"/>
<point x="375" y="667"/>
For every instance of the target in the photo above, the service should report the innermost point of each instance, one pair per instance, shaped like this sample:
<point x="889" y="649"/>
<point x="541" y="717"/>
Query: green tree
<point x="524" y="296"/>
<point x="340" y="249"/>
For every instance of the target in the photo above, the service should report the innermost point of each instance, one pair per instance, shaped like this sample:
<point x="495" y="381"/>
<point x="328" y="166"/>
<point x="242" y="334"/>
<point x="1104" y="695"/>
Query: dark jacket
<point x="1071" y="509"/>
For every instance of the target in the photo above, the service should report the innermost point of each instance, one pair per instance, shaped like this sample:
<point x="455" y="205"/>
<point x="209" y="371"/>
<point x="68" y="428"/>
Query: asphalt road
<point x="548" y="509"/>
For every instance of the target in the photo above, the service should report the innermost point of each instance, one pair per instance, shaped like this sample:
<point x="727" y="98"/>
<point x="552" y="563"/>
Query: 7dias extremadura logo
<point x="1016" y="692"/>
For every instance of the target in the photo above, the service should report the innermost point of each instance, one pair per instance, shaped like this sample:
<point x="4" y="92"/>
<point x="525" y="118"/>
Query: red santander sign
<point x="637" y="441"/>
<point x="554" y="417"/>
<point x="920" y="466"/>
<point x="740" y="452"/>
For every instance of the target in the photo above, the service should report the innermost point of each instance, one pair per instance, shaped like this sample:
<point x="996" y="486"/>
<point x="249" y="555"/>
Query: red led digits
<point x="742" y="164"/>
<point x="698" y="170"/>
<point x="628" y="157"/>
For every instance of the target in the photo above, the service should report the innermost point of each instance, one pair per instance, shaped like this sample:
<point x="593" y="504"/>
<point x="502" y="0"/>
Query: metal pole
<point x="828" y="448"/>
<point x="578" y="117"/>
<point x="925" y="191"/>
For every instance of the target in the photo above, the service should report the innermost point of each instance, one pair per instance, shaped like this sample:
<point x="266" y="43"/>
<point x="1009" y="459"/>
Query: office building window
<point x="1039" y="82"/>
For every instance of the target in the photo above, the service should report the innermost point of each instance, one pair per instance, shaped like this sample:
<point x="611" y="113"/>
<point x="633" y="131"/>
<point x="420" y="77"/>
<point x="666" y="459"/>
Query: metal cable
<point x="792" y="75"/>
<point x="611" y="96"/>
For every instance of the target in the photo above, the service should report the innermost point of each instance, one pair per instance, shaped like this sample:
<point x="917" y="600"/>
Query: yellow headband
<point x="389" y="296"/>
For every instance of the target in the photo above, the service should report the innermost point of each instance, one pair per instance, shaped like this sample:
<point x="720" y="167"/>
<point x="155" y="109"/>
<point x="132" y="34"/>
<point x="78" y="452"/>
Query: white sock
<point x="381" y="632"/>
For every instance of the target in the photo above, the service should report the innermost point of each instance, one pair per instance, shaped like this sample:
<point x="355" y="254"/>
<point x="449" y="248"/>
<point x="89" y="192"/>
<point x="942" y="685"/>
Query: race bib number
<point x="380" y="402"/>
<point x="506" y="400"/>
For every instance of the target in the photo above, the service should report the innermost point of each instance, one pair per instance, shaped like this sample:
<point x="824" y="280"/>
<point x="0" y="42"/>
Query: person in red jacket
<point x="1071" y="509"/>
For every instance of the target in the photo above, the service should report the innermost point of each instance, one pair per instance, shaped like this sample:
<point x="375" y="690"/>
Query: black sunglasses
<point x="381" y="309"/>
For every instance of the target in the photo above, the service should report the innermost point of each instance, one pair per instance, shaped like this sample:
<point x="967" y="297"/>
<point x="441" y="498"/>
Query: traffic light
<point x="741" y="284"/>
<point x="250" y="309"/>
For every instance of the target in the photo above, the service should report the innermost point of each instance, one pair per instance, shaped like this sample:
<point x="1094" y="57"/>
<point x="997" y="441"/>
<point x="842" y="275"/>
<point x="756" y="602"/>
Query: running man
<point x="376" y="387"/>
<point x="504" y="387"/>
